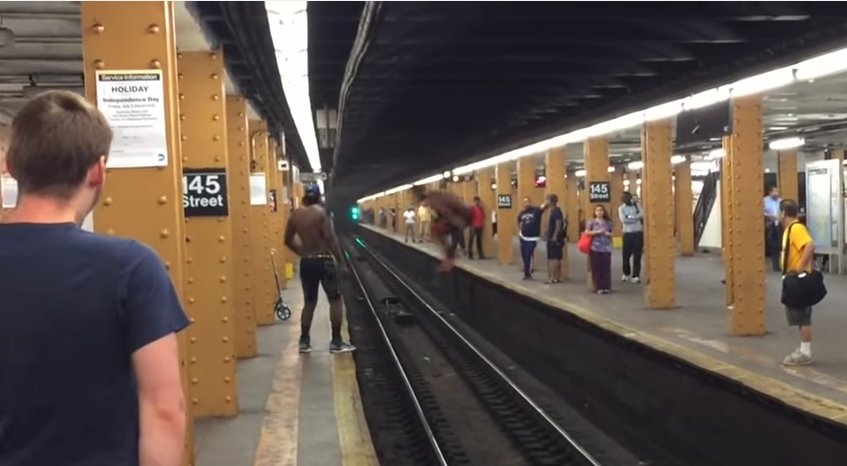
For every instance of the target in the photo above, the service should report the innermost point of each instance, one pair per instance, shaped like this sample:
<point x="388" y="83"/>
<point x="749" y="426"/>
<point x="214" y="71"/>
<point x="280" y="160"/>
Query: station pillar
<point x="788" y="184"/>
<point x="526" y="182"/>
<point x="489" y="203"/>
<point x="745" y="264"/>
<point x="572" y="206"/>
<point x="554" y="167"/>
<point x="142" y="199"/>
<point x="208" y="233"/>
<point x="658" y="204"/>
<point x="239" y="206"/>
<point x="684" y="208"/>
<point x="597" y="184"/>
<point x="507" y="217"/>
<point x="260" y="224"/>
<point x="616" y="188"/>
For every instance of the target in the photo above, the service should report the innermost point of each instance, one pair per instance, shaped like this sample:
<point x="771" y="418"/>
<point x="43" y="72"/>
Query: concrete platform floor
<point x="698" y="330"/>
<point x="295" y="409"/>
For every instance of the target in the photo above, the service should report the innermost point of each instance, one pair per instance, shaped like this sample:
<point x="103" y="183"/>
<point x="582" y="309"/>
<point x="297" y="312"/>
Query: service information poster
<point x="8" y="191"/>
<point x="134" y="104"/>
<point x="258" y="189"/>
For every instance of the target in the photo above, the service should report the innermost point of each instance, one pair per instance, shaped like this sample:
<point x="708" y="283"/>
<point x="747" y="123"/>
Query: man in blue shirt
<point x="773" y="230"/>
<point x="89" y="366"/>
<point x="529" y="231"/>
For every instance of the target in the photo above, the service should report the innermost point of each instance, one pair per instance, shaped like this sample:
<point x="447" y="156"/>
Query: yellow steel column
<point x="616" y="179"/>
<point x="597" y="184"/>
<point x="239" y="211"/>
<point x="554" y="167"/>
<point x="526" y="181"/>
<point x="142" y="200"/>
<point x="657" y="187"/>
<point x="788" y="184"/>
<point x="264" y="294"/>
<point x="726" y="219"/>
<point x="489" y="204"/>
<point x="684" y="208"/>
<point x="572" y="206"/>
<point x="208" y="228"/>
<point x="747" y="315"/>
<point x="507" y="217"/>
<point x="274" y="195"/>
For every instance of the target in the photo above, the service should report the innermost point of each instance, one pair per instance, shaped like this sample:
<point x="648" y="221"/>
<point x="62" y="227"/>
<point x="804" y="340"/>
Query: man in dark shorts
<point x="320" y="257"/>
<point x="89" y="362"/>
<point x="449" y="215"/>
<point x="555" y="240"/>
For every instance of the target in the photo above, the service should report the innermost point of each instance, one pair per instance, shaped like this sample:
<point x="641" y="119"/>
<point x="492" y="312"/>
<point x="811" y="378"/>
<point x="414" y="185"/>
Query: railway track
<point x="457" y="406"/>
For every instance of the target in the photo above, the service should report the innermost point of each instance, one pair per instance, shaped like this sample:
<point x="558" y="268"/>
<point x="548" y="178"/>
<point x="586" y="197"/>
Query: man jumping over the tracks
<point x="449" y="214"/>
<point x="320" y="257"/>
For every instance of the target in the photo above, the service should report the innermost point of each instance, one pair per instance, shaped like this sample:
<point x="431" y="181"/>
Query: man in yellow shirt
<point x="424" y="218"/>
<point x="797" y="243"/>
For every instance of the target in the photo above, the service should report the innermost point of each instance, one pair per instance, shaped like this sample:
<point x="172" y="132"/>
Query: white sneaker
<point x="625" y="278"/>
<point x="636" y="280"/>
<point x="797" y="358"/>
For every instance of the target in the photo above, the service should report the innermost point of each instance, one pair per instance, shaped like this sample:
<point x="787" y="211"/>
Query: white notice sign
<point x="134" y="104"/>
<point x="258" y="189"/>
<point x="8" y="191"/>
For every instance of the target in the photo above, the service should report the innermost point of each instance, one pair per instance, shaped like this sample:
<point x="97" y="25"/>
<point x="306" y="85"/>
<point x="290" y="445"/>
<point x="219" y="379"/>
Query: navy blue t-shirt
<point x="529" y="222"/>
<point x="74" y="306"/>
<point x="556" y="215"/>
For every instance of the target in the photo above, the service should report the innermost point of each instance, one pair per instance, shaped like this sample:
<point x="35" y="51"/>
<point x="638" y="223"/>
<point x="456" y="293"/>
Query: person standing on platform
<point x="801" y="252"/>
<point x="449" y="215"/>
<point x="89" y="364"/>
<point x="773" y="229"/>
<point x="477" y="225"/>
<point x="556" y="235"/>
<point x="494" y="222"/>
<point x="529" y="232"/>
<point x="632" y="220"/>
<point x="424" y="217"/>
<point x="409" y="219"/>
<point x="600" y="230"/>
<point x="320" y="258"/>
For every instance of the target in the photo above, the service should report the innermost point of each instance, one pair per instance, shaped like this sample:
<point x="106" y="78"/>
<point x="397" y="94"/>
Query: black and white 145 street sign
<point x="599" y="191"/>
<point x="204" y="192"/>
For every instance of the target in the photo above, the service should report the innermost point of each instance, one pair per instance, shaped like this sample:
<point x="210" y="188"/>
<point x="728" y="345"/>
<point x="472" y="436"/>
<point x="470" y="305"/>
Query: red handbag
<point x="584" y="243"/>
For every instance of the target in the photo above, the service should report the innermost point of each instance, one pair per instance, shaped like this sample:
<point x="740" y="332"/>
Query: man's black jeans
<point x="475" y="237"/>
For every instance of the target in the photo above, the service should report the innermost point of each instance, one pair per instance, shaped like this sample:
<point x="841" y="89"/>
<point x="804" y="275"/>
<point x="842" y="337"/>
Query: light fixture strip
<point x="815" y="67"/>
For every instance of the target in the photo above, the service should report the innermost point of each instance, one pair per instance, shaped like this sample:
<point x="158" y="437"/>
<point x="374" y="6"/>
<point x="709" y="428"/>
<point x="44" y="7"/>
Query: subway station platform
<point x="295" y="409"/>
<point x="697" y="330"/>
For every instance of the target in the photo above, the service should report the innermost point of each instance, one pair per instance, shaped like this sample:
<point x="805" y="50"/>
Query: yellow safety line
<point x="353" y="434"/>
<point x="799" y="398"/>
<point x="278" y="437"/>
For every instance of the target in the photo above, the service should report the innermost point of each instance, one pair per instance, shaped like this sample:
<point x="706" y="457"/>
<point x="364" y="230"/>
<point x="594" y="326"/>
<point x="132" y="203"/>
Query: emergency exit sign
<point x="204" y="192"/>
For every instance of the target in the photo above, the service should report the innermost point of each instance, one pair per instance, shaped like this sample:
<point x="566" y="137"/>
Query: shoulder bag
<point x="800" y="289"/>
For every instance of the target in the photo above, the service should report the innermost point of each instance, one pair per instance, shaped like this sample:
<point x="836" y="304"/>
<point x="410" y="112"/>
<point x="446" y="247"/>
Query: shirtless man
<point x="320" y="258"/>
<point x="449" y="214"/>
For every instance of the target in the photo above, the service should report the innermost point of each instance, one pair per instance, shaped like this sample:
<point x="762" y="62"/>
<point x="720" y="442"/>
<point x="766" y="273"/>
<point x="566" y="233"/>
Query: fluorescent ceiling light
<point x="637" y="165"/>
<point x="787" y="143"/>
<point x="716" y="154"/>
<point x="611" y="169"/>
<point x="701" y="166"/>
<point x="829" y="63"/>
<point x="431" y="179"/>
<point x="579" y="173"/>
<point x="677" y="159"/>
<point x="288" y="23"/>
<point x="777" y="128"/>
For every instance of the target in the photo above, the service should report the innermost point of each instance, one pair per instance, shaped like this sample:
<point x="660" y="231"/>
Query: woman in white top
<point x="409" y="217"/>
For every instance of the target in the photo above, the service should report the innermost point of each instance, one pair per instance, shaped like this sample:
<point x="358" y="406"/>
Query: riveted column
<point x="208" y="242"/>
<point x="507" y="217"/>
<point x="657" y="187"/>
<point x="572" y="206"/>
<point x="597" y="184"/>
<point x="488" y="199"/>
<point x="526" y="180"/>
<point x="264" y="292"/>
<point x="747" y="313"/>
<point x="726" y="219"/>
<point x="684" y="208"/>
<point x="279" y="214"/>
<point x="238" y="153"/>
<point x="616" y="180"/>
<point x="788" y="184"/>
<point x="142" y="198"/>
<point x="554" y="171"/>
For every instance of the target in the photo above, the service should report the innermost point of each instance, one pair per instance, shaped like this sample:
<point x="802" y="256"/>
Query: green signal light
<point x="354" y="213"/>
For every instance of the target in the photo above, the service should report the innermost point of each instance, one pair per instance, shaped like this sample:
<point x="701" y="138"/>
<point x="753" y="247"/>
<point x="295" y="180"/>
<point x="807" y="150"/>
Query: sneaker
<point x="636" y="280"/>
<point x="625" y="278"/>
<point x="797" y="358"/>
<point x="305" y="346"/>
<point x="341" y="347"/>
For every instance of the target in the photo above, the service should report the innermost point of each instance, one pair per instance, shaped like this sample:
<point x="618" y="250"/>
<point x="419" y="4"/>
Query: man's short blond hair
<point x="56" y="138"/>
